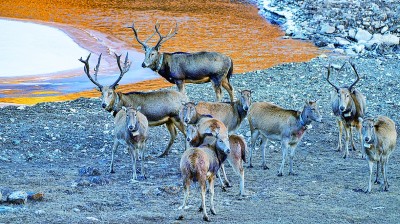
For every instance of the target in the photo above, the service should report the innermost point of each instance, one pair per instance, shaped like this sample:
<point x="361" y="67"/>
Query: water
<point x="230" y="27"/>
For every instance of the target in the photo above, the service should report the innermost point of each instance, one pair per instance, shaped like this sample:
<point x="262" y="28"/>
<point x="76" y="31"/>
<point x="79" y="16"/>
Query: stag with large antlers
<point x="160" y="107"/>
<point x="180" y="67"/>
<point x="348" y="105"/>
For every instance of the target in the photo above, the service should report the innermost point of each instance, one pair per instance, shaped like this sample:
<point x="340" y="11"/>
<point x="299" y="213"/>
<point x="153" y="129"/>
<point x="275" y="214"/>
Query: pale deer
<point x="348" y="104"/>
<point x="160" y="107"/>
<point x="131" y="130"/>
<point x="379" y="141"/>
<point x="272" y="122"/>
<point x="181" y="67"/>
<point x="231" y="114"/>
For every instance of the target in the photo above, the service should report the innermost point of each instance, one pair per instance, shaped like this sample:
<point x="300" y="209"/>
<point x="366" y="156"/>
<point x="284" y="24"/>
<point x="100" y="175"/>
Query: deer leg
<point x="254" y="136"/>
<point x="225" y="83"/>
<point x="115" y="146"/>
<point x="237" y="165"/>
<point x="284" y="153"/>
<point x="352" y="140"/>
<point x="291" y="156"/>
<point x="211" y="185"/>
<point x="385" y="179"/>
<point x="347" y="135"/>
<point x="142" y="149"/>
<point x="377" y="172"/>
<point x="186" y="188"/>
<point x="340" y="126"/>
<point x="226" y="181"/>
<point x="173" y="133"/>
<point x="263" y="146"/>
<point x="181" y="86"/>
<point x="370" y="165"/>
<point x="132" y="153"/>
<point x="203" y="200"/>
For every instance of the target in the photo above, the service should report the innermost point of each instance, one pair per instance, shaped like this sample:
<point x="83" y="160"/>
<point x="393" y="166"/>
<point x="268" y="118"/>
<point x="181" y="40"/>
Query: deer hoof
<point x="292" y="174"/>
<point x="227" y="184"/>
<point x="280" y="174"/>
<point x="265" y="167"/>
<point x="377" y="182"/>
<point x="200" y="208"/>
<point x="213" y="211"/>
<point x="223" y="188"/>
<point x="205" y="218"/>
<point x="180" y="217"/>
<point x="250" y="166"/>
<point x="164" y="154"/>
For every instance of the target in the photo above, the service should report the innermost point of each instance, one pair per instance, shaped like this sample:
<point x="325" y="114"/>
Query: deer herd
<point x="209" y="127"/>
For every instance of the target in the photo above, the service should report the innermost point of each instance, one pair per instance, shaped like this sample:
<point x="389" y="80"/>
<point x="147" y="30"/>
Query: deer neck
<point x="160" y="62"/>
<point x="117" y="101"/>
<point x="302" y="122"/>
<point x="239" y="107"/>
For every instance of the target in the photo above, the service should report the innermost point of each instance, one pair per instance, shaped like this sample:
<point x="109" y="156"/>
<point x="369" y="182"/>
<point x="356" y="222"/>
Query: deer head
<point x="152" y="55"/>
<point x="108" y="94"/>
<point x="344" y="93"/>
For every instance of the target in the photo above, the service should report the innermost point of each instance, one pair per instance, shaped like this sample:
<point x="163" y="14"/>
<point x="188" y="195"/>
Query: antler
<point x="96" y="69"/>
<point x="137" y="38"/>
<point x="327" y="78"/>
<point x="166" y="37"/>
<point x="122" y="70"/>
<point x="358" y="77"/>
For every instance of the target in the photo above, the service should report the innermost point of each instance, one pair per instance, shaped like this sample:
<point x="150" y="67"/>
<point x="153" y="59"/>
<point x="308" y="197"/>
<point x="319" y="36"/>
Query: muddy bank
<point x="44" y="148"/>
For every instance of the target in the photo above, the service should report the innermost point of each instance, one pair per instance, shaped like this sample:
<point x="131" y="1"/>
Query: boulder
<point x="352" y="33"/>
<point x="342" y="41"/>
<point x="363" y="35"/>
<point x="18" y="197"/>
<point x="325" y="28"/>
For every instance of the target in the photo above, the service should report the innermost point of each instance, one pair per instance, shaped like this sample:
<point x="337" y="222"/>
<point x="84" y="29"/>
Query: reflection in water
<point x="229" y="27"/>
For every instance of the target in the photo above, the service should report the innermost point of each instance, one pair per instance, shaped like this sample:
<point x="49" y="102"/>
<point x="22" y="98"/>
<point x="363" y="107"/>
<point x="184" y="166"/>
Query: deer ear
<point x="116" y="86"/>
<point x="138" y="108"/>
<point x="124" y="108"/>
<point x="360" y="119"/>
<point x="99" y="89"/>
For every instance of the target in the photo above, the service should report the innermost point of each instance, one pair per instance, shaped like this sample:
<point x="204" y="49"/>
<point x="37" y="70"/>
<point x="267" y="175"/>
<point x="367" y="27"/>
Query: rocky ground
<point x="367" y="28"/>
<point x="63" y="151"/>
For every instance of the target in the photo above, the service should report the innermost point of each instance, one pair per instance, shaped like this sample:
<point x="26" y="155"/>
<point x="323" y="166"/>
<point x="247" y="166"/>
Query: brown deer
<point x="348" y="104"/>
<point x="231" y="114"/>
<point x="379" y="141"/>
<point x="131" y="130"/>
<point x="201" y="164"/>
<point x="160" y="107"/>
<point x="236" y="157"/>
<point x="275" y="123"/>
<point x="180" y="67"/>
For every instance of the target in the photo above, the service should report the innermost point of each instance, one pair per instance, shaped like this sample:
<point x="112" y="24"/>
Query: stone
<point x="359" y="48"/>
<point x="352" y="33"/>
<point x="325" y="28"/>
<point x="18" y="197"/>
<point x="342" y="41"/>
<point x="363" y="36"/>
<point x="384" y="29"/>
<point x="390" y="39"/>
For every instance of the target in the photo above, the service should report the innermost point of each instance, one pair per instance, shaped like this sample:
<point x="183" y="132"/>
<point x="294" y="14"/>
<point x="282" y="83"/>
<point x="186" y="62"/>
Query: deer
<point x="348" y="105"/>
<point x="272" y="122"/>
<point x="131" y="130"/>
<point x="181" y="67"/>
<point x="160" y="107"/>
<point x="236" y="156"/>
<point x="379" y="141"/>
<point x="201" y="164"/>
<point x="231" y="114"/>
